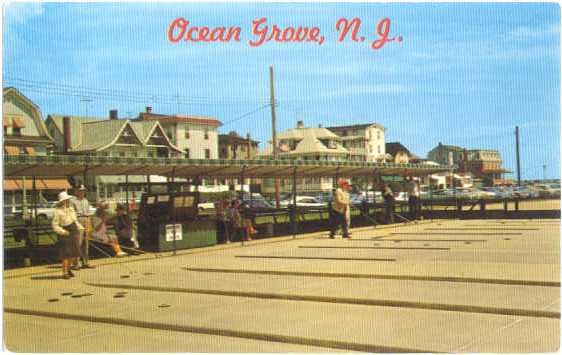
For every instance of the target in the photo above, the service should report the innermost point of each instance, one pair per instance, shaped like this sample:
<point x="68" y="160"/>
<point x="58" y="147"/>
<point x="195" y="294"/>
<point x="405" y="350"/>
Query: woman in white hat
<point x="66" y="225"/>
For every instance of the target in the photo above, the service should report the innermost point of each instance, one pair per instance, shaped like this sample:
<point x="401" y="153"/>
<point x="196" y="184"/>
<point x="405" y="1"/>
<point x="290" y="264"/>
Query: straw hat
<point x="63" y="196"/>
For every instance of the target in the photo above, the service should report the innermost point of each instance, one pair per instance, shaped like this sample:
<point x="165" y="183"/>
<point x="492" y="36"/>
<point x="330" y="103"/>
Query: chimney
<point x="148" y="109"/>
<point x="300" y="124"/>
<point x="66" y="133"/>
<point x="112" y="114"/>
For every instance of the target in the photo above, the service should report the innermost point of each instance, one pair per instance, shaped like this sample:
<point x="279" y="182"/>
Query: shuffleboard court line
<point x="481" y="228"/>
<point x="427" y="240"/>
<point x="345" y="300"/>
<point x="382" y="277"/>
<point x="311" y="258"/>
<point x="386" y="248"/>
<point x="287" y="339"/>
<point x="453" y="233"/>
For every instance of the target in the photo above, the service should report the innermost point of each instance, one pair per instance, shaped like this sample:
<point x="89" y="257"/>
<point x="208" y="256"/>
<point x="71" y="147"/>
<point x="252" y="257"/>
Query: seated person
<point x="99" y="223"/>
<point x="124" y="227"/>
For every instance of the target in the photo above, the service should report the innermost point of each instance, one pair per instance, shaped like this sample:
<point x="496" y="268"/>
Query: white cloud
<point x="19" y="13"/>
<point x="367" y="89"/>
<point x="534" y="32"/>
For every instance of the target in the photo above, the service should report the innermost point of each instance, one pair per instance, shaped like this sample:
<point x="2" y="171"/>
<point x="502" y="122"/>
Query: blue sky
<point x="464" y="74"/>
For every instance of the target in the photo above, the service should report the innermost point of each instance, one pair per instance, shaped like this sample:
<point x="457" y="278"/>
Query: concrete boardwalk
<point x="444" y="286"/>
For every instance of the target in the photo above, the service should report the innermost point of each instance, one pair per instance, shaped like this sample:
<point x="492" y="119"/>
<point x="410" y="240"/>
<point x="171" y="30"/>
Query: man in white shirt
<point x="82" y="207"/>
<point x="339" y="209"/>
<point x="413" y="190"/>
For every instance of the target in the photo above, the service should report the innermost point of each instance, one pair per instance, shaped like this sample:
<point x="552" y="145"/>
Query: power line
<point x="245" y="115"/>
<point x="74" y="90"/>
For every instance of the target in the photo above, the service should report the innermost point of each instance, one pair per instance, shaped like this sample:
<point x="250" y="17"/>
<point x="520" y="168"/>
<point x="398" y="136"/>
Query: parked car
<point x="45" y="211"/>
<point x="524" y="192"/>
<point x="400" y="196"/>
<point x="545" y="190"/>
<point x="304" y="201"/>
<point x="556" y="189"/>
<point x="258" y="203"/>
<point x="205" y="206"/>
<point x="325" y="196"/>
<point x="369" y="196"/>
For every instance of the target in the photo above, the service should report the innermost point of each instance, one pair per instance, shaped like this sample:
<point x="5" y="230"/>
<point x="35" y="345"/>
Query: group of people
<point x="412" y="188"/>
<point x="233" y="221"/>
<point x="340" y="205"/>
<point x="75" y="226"/>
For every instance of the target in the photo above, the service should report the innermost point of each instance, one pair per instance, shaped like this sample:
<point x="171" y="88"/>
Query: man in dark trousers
<point x="339" y="209"/>
<point x="388" y="196"/>
<point x="413" y="190"/>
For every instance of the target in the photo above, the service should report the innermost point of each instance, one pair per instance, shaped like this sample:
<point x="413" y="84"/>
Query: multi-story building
<point x="111" y="137"/>
<point x="195" y="136"/>
<point x="365" y="142"/>
<point x="441" y="153"/>
<point x="25" y="133"/>
<point x="303" y="143"/>
<point x="485" y="165"/>
<point x="232" y="146"/>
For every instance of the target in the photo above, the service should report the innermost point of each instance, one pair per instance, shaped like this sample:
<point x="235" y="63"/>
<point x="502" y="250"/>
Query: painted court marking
<point x="309" y="258"/>
<point x="335" y="247"/>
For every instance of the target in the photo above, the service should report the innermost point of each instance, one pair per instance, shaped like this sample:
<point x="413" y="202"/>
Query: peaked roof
<point x="200" y="120"/>
<point x="300" y="133"/>
<point x="393" y="148"/>
<point x="311" y="144"/>
<point x="94" y="133"/>
<point x="35" y="112"/>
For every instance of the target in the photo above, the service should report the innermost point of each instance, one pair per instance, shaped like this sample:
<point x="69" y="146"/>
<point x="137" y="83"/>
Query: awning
<point x="18" y="122"/>
<point x="30" y="150"/>
<point x="11" y="150"/>
<point x="72" y="165"/>
<point x="7" y="121"/>
<point x="40" y="184"/>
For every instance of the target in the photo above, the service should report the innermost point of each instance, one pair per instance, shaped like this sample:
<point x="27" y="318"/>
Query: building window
<point x="379" y="149"/>
<point x="206" y="136"/>
<point x="121" y="154"/>
<point x="16" y="131"/>
<point x="186" y="134"/>
<point x="378" y="135"/>
<point x="207" y="154"/>
<point x="186" y="154"/>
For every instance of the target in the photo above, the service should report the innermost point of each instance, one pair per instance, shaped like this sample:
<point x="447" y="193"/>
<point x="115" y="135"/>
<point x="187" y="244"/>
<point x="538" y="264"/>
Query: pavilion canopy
<point x="75" y="165"/>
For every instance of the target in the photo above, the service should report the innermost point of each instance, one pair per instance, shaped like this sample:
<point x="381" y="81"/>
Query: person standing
<point x="221" y="207"/>
<point x="339" y="209"/>
<point x="68" y="228"/>
<point x="388" y="196"/>
<point x="82" y="207"/>
<point x="235" y="223"/>
<point x="413" y="190"/>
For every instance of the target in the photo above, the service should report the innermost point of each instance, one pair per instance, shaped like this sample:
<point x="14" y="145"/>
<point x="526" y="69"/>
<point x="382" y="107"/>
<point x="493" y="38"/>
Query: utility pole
<point x="273" y="131"/>
<point x="517" y="155"/>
